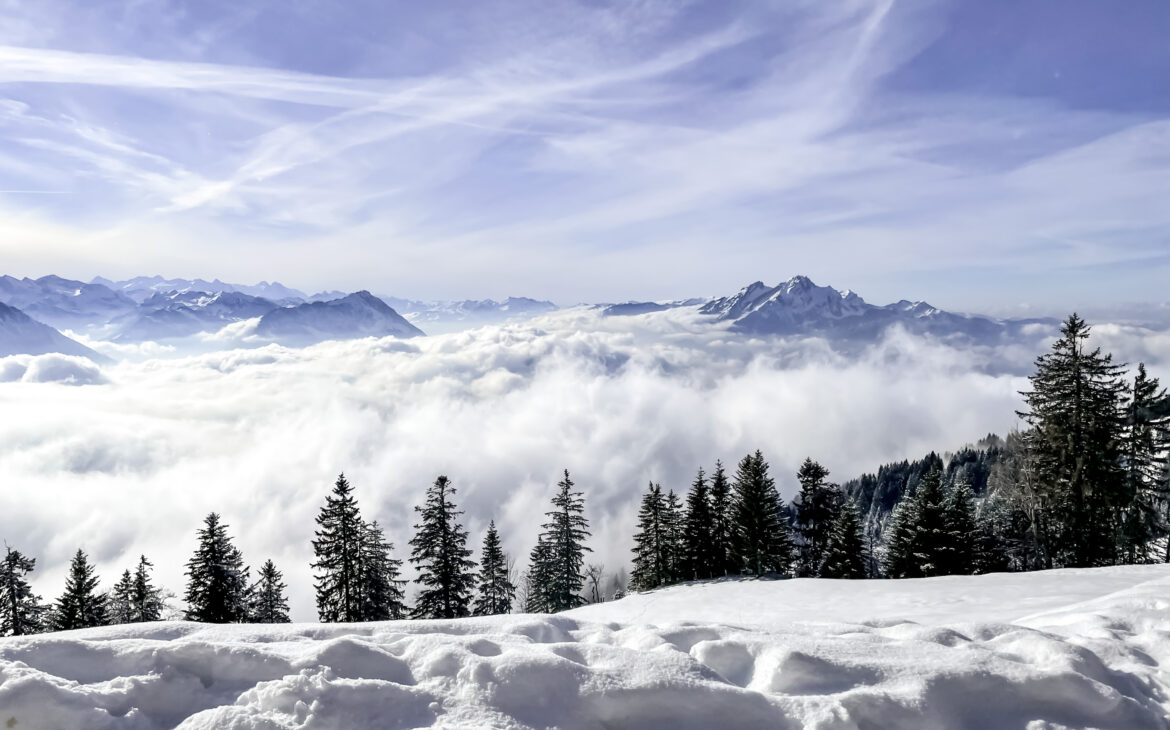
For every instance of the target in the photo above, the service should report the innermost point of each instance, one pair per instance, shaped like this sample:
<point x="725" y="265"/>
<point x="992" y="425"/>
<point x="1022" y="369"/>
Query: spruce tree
<point x="677" y="543"/>
<point x="932" y="538"/>
<point x="337" y="548"/>
<point x="564" y="535"/>
<point x="900" y="537"/>
<point x="958" y="556"/>
<point x="1147" y="437"/>
<point x="217" y="581"/>
<point x="21" y="611"/>
<point x="723" y="525"/>
<point x="121" y="604"/>
<point x="146" y="600"/>
<point x="763" y="541"/>
<point x="652" y="542"/>
<point x="700" y="559"/>
<point x="267" y="602"/>
<point x="538" y="578"/>
<point x="991" y="548"/>
<point x="496" y="592"/>
<point x="80" y="606"/>
<point x="816" y="510"/>
<point x="845" y="546"/>
<point x="439" y="548"/>
<point x="382" y="594"/>
<point x="1076" y="421"/>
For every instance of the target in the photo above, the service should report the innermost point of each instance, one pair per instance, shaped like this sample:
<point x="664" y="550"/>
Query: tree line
<point x="1085" y="483"/>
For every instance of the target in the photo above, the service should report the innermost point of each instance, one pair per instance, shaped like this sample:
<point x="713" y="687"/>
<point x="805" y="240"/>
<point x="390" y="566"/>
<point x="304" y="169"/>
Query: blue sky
<point x="992" y="155"/>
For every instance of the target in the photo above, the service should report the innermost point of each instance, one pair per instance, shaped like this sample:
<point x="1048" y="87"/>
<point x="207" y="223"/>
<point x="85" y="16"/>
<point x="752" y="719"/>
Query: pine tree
<point x="1075" y="413"/>
<point x="146" y="601"/>
<point x="496" y="592"/>
<point x="932" y="537"/>
<point x="121" y="604"/>
<point x="993" y="528"/>
<point x="816" y="509"/>
<point x="652" y="542"/>
<point x="337" y="549"/>
<point x="440" y="551"/>
<point x="676" y="540"/>
<point x="900" y="535"/>
<point x="21" y="611"/>
<point x="538" y="578"/>
<point x="1147" y="437"/>
<point x="267" y="603"/>
<point x="700" y="559"/>
<point x="763" y="537"/>
<point x="217" y="581"/>
<point x="958" y="556"/>
<point x="845" y="546"/>
<point x="723" y="526"/>
<point x="382" y="594"/>
<point x="80" y="606"/>
<point x="565" y="534"/>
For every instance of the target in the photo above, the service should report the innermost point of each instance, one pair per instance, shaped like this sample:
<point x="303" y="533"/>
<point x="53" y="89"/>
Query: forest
<point x="1084" y="482"/>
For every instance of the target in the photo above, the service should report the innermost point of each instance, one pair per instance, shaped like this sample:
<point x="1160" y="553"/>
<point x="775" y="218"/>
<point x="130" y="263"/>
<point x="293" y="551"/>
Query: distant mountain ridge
<point x="798" y="306"/>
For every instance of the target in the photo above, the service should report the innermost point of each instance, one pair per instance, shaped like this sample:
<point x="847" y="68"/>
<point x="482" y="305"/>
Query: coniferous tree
<point x="538" y="578"/>
<point x="496" y="592"/>
<point x="337" y="547"/>
<point x="440" y="551"/>
<point x="381" y="589"/>
<point x="267" y="602"/>
<point x="676" y="540"/>
<point x="217" y="581"/>
<point x="700" y="559"/>
<point x="932" y="538"/>
<point x="763" y="537"/>
<point x="80" y="606"/>
<point x="120" y="607"/>
<point x="959" y="519"/>
<point x="723" y="529"/>
<point x="816" y="509"/>
<point x="900" y="535"/>
<point x="565" y="534"/>
<point x="991" y="549"/>
<point x="146" y="600"/>
<point x="21" y="611"/>
<point x="1147" y="437"/>
<point x="652" y="542"/>
<point x="845" y="546"/>
<point x="1076" y="421"/>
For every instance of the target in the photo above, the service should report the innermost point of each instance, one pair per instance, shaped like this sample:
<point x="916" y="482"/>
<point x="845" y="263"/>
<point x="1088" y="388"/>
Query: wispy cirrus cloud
<point x="851" y="141"/>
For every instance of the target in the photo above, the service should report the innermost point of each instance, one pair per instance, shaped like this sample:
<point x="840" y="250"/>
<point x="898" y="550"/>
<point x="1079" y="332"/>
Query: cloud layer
<point x="132" y="462"/>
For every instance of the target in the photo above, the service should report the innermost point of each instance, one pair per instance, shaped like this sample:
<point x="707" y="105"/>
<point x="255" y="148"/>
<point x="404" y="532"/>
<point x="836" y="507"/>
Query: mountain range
<point x="157" y="309"/>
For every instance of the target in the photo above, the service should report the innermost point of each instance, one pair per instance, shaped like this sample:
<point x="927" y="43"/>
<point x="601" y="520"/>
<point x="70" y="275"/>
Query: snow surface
<point x="1061" y="649"/>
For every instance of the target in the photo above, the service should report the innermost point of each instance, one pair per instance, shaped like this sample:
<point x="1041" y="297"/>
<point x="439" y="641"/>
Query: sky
<point x="985" y="156"/>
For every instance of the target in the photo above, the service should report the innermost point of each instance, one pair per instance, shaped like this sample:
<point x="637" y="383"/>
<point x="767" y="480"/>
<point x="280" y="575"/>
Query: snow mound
<point x="1099" y="661"/>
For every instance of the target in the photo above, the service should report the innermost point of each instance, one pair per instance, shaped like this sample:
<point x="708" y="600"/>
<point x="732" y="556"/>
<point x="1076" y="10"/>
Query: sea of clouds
<point x="128" y="458"/>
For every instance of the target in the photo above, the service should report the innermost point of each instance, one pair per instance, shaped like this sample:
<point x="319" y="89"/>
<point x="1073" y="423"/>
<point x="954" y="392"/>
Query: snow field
<point x="1060" y="649"/>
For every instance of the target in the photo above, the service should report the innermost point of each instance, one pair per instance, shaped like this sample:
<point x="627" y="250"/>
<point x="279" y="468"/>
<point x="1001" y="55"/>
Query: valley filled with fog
<point x="125" y="457"/>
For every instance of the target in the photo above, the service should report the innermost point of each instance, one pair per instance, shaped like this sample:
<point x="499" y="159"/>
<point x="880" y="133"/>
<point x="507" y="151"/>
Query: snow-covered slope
<point x="23" y="335"/>
<point x="357" y="315"/>
<point x="798" y="306"/>
<point x="1063" y="649"/>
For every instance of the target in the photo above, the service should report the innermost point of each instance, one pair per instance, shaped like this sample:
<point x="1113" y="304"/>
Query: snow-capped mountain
<point x="171" y="314"/>
<point x="798" y="306"/>
<point x="64" y="303"/>
<point x="142" y="288"/>
<point x="357" y="315"/>
<point x="20" y="334"/>
<point x="442" y="316"/>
